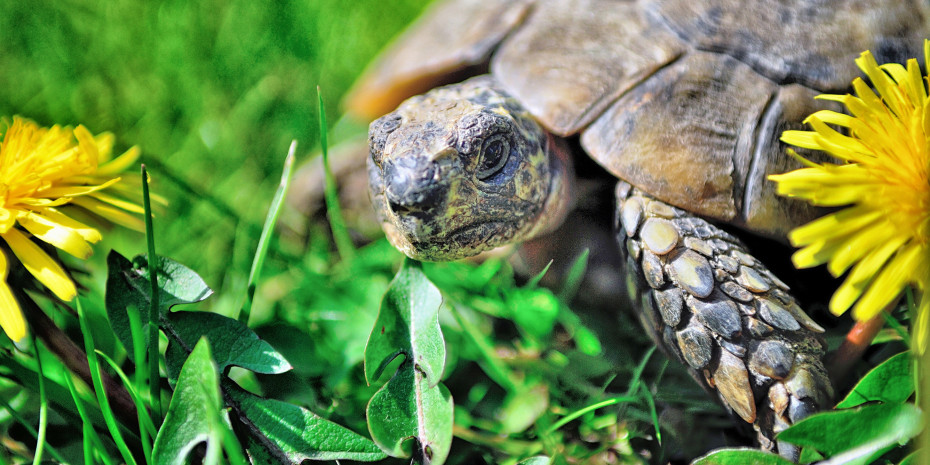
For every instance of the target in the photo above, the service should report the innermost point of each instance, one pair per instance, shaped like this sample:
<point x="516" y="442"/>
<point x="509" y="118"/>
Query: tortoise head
<point x="463" y="169"/>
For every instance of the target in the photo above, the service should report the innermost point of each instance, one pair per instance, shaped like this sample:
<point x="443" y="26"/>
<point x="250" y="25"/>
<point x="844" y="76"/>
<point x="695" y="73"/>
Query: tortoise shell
<point x="685" y="99"/>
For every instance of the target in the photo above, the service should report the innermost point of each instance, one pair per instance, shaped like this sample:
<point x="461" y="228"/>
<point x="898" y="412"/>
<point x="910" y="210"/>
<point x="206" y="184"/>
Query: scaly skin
<point x="711" y="305"/>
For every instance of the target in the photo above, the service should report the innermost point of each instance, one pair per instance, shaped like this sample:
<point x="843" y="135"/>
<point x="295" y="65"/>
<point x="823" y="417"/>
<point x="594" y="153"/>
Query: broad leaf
<point x="892" y="381"/>
<point x="408" y="324"/>
<point x="407" y="408"/>
<point x="412" y="406"/>
<point x="128" y="289"/>
<point x="282" y="432"/>
<point x="741" y="456"/>
<point x="233" y="343"/>
<point x="194" y="415"/>
<point x="859" y="434"/>
<point x="296" y="434"/>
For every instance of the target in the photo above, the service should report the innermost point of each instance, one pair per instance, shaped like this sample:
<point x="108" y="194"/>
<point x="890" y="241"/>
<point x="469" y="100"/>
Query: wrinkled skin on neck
<point x="463" y="169"/>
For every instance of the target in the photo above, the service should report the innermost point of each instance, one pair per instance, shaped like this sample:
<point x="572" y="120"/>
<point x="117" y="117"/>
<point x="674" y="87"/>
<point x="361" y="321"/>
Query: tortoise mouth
<point x="463" y="242"/>
<point x="430" y="231"/>
<point x="480" y="235"/>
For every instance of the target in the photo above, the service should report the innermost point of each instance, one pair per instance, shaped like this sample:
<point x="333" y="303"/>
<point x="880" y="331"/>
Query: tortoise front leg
<point x="709" y="303"/>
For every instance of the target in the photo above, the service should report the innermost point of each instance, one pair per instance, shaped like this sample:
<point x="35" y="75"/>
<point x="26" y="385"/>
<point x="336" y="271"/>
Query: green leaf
<point x="297" y="434"/>
<point x="892" y="382"/>
<point x="408" y="324"/>
<point x="858" y="434"/>
<point x="587" y="341"/>
<point x="741" y="456"/>
<point x="574" y="277"/>
<point x="128" y="289"/>
<point x="412" y="405"/>
<point x="406" y="408"/>
<point x="194" y="415"/>
<point x="534" y="310"/>
<point x="286" y="432"/>
<point x="233" y="343"/>
<point x="481" y="275"/>
<point x="523" y="407"/>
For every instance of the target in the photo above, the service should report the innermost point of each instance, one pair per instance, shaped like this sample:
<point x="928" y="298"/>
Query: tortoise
<point x="684" y="102"/>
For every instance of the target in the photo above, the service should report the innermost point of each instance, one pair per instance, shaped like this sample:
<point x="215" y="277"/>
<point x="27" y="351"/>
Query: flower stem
<point x="857" y="341"/>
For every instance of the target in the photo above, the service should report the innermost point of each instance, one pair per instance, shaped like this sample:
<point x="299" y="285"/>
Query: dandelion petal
<point x="11" y="317"/>
<point x="40" y="265"/>
<point x="60" y="236"/>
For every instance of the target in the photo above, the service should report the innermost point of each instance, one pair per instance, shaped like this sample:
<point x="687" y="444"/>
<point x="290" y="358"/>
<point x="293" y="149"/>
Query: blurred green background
<point x="211" y="91"/>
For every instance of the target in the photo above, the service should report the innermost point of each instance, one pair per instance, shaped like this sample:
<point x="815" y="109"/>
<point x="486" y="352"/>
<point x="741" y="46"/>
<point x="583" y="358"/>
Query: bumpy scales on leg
<point x="711" y="305"/>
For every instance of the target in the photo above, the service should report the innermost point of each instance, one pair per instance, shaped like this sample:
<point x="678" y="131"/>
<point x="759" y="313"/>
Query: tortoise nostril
<point x="420" y="198"/>
<point x="397" y="207"/>
<point x="411" y="186"/>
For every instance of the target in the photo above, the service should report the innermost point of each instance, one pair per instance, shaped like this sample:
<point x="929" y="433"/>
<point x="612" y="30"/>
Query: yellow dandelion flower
<point x="882" y="236"/>
<point x="44" y="174"/>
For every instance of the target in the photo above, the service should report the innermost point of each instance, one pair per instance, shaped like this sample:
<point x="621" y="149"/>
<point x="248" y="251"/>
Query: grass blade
<point x="636" y="379"/>
<point x="105" y="409"/>
<point x="534" y="281"/>
<point x="135" y="328"/>
<point x="43" y="406"/>
<point x="492" y="366"/>
<point x="145" y="422"/>
<point x="574" y="277"/>
<point x="336" y="221"/>
<point x="154" y="393"/>
<point x="577" y="413"/>
<point x="652" y="411"/>
<point x="4" y="404"/>
<point x="277" y="203"/>
<point x="91" y="440"/>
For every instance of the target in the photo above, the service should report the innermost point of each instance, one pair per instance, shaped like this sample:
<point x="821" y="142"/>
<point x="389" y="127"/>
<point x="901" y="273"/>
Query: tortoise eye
<point x="494" y="155"/>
